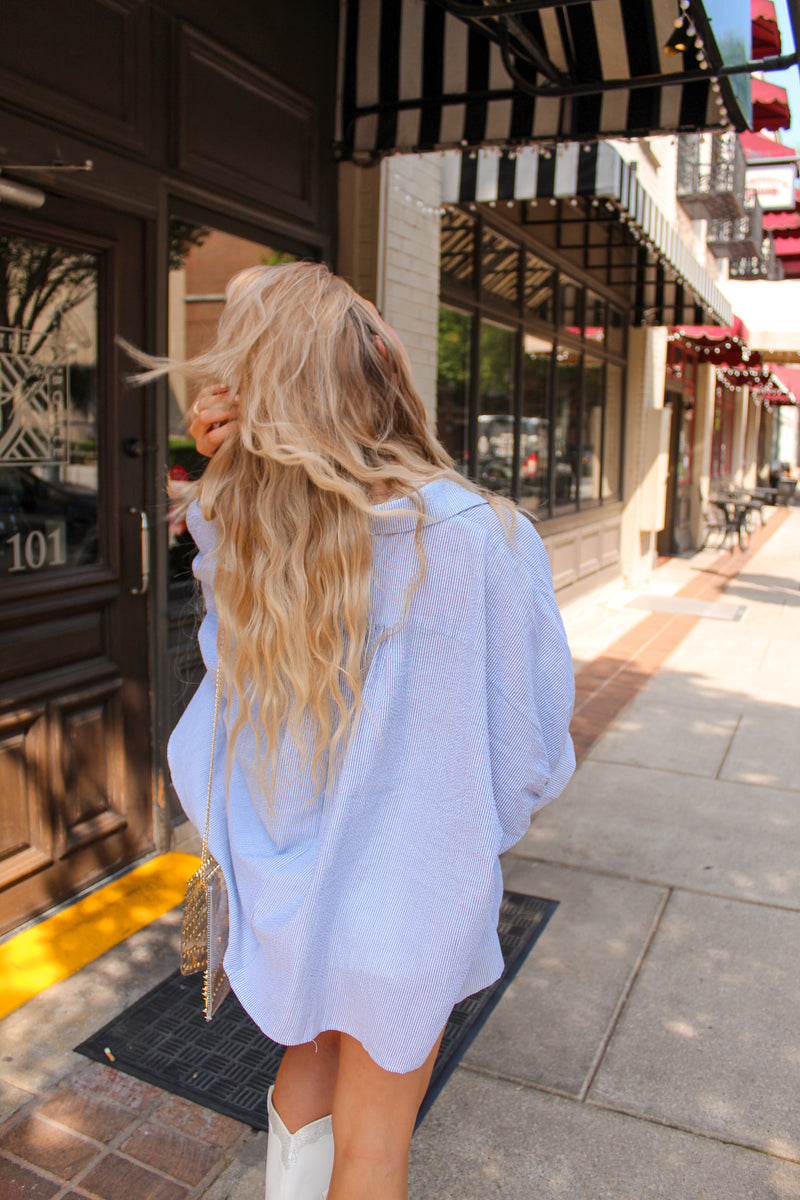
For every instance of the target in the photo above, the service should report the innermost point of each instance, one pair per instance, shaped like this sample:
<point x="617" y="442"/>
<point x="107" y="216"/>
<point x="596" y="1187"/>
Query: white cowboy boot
<point x="299" y="1164"/>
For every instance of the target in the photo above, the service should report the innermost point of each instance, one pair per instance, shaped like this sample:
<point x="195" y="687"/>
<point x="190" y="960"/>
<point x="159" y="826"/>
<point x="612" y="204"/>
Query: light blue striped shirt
<point x="372" y="909"/>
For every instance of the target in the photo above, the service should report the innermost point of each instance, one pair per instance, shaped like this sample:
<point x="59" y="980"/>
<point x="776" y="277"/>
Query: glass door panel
<point x="202" y="260"/>
<point x="612" y="438"/>
<point x="496" y="408"/>
<point x="592" y="436"/>
<point x="452" y="384"/>
<point x="534" y="449"/>
<point x="568" y="387"/>
<point x="48" y="408"/>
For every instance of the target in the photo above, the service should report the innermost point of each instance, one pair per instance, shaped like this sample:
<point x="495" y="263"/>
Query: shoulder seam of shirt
<point x="429" y="522"/>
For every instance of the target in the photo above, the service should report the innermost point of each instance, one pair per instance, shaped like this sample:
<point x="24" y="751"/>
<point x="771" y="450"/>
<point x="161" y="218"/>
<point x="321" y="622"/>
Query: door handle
<point x="144" y="526"/>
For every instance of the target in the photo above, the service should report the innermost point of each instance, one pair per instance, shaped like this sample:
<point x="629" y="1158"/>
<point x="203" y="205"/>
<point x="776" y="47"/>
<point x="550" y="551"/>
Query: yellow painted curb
<point x="62" y="944"/>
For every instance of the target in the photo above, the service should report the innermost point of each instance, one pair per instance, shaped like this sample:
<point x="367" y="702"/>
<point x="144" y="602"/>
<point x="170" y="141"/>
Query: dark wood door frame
<point x="75" y="694"/>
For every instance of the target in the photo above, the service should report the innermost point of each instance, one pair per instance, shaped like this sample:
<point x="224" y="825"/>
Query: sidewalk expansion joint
<point x="516" y="1081"/>
<point x="719" y="1138"/>
<point x="624" y="996"/>
<point x="730" y="743"/>
<point x="630" y="1114"/>
<point x="658" y="884"/>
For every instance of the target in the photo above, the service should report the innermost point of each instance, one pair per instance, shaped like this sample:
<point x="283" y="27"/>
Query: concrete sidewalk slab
<point x="571" y="986"/>
<point x="692" y="692"/>
<point x="708" y="1040"/>
<point x="734" y="652"/>
<point x="706" y="835"/>
<point x="486" y="1139"/>
<point x="765" y="753"/>
<point x="690" y="740"/>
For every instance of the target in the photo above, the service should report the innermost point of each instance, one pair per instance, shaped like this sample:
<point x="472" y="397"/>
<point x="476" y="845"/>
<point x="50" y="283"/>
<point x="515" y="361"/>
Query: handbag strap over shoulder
<point x="205" y="857"/>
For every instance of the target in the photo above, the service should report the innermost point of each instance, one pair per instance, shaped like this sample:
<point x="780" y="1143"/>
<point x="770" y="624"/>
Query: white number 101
<point x="37" y="550"/>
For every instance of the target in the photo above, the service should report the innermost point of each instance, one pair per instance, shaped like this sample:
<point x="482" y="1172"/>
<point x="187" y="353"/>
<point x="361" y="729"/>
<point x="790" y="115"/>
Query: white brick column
<point x="408" y="261"/>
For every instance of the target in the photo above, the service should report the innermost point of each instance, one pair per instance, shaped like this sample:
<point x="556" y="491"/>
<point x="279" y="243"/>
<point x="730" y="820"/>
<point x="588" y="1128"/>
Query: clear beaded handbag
<point x="204" y="934"/>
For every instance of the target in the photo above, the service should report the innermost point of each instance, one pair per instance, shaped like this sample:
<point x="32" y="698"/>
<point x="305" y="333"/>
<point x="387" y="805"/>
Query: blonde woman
<point x="397" y="692"/>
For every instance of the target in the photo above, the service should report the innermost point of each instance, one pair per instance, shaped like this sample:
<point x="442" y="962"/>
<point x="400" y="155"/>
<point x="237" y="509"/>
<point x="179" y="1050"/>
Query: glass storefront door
<point x="202" y="261"/>
<point x="74" y="685"/>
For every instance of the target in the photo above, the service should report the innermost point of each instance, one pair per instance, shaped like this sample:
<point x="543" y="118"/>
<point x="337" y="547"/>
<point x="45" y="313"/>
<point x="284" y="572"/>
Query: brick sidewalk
<point x="106" y="1135"/>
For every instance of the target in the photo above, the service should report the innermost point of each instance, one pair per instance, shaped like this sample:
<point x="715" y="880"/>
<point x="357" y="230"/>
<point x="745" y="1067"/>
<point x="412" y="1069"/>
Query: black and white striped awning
<point x="596" y="171"/>
<point x="419" y="75"/>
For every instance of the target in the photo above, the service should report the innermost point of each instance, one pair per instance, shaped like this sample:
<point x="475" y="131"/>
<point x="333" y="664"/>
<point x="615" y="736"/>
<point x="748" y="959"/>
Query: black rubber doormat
<point x="228" y="1065"/>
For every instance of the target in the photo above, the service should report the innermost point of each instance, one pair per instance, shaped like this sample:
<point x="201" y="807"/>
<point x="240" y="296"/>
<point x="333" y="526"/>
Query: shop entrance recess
<point x="75" y="756"/>
<point x="676" y="536"/>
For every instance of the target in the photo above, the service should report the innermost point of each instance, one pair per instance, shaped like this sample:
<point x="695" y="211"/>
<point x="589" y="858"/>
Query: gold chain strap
<point x="205" y="857"/>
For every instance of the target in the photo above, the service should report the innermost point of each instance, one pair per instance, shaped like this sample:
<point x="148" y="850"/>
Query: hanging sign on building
<point x="774" y="185"/>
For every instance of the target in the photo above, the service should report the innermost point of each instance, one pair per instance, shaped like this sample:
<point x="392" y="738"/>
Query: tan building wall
<point x="644" y="469"/>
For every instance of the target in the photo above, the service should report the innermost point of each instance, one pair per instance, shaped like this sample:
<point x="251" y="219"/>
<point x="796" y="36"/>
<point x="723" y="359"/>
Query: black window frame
<point x="481" y="305"/>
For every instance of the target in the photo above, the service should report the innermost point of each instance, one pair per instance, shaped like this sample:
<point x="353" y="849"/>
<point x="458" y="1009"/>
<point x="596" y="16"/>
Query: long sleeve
<point x="529" y="683"/>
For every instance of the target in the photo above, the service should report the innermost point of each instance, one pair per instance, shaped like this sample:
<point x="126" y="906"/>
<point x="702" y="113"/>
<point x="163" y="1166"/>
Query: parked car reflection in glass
<point x="496" y="451"/>
<point x="43" y="523"/>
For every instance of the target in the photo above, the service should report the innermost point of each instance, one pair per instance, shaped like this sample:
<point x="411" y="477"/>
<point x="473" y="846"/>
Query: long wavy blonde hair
<point x="329" y="424"/>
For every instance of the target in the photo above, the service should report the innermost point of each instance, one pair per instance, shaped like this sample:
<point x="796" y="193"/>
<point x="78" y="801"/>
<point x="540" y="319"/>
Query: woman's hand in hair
<point x="213" y="418"/>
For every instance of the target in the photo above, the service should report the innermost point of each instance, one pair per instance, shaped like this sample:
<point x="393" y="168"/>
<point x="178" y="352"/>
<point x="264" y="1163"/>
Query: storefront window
<point x="722" y="441"/>
<point x="571" y="305"/>
<point x="544" y="400"/>
<point x="457" y="249"/>
<point x="567" y="409"/>
<point x="534" y="447"/>
<point x="612" y="435"/>
<point x="615" y="331"/>
<point x="539" y="285"/>
<point x="500" y="267"/>
<point x="592" y="440"/>
<point x="453" y="377"/>
<point x="681" y="364"/>
<point x="686" y="446"/>
<point x="595" y="330"/>
<point x="496" y="408"/>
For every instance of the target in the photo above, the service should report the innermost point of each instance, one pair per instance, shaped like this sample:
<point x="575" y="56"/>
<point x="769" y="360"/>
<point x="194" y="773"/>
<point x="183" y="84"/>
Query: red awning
<point x="770" y="106"/>
<point x="760" y="148"/>
<point x="782" y="222"/>
<point x="787" y="247"/>
<point x="790" y="378"/>
<point x="726" y="346"/>
<point x="766" y="34"/>
<point x="737" y="365"/>
<point x="764" y="381"/>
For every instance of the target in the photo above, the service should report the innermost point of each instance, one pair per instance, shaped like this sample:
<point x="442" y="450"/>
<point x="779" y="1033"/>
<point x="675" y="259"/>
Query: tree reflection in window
<point x="453" y="374"/>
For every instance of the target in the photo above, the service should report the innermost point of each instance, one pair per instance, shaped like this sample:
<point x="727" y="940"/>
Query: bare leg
<point x="373" y="1119"/>
<point x="305" y="1081"/>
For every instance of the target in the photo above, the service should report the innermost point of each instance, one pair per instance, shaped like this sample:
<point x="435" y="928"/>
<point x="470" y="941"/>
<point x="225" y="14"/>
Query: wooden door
<point x="75" y="754"/>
